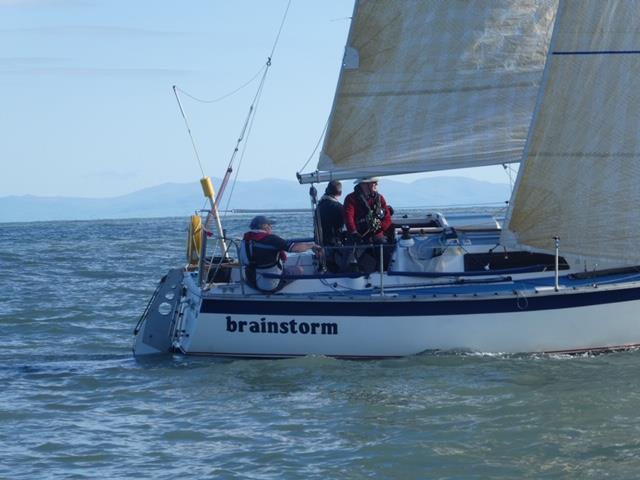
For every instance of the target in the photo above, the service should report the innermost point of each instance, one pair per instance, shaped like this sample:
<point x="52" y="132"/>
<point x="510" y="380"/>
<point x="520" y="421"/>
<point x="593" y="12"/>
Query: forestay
<point x="581" y="176"/>
<point x="431" y="84"/>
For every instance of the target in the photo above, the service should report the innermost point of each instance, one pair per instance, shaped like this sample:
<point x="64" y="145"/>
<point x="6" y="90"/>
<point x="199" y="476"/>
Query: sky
<point x="88" y="108"/>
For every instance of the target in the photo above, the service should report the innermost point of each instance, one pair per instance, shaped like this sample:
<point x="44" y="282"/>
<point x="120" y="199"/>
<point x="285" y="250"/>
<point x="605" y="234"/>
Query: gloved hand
<point x="354" y="238"/>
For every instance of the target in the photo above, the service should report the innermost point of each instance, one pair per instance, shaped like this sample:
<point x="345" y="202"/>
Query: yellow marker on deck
<point x="207" y="189"/>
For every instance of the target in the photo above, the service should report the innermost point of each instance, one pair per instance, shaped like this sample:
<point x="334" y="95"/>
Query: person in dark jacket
<point x="331" y="222"/>
<point x="368" y="220"/>
<point x="331" y="215"/>
<point x="263" y="252"/>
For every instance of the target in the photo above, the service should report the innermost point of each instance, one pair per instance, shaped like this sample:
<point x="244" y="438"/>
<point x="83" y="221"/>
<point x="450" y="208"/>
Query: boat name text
<point x="304" y="328"/>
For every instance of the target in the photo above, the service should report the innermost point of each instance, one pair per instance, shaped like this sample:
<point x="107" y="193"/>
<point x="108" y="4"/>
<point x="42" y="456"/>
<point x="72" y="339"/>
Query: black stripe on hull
<point x="419" y="307"/>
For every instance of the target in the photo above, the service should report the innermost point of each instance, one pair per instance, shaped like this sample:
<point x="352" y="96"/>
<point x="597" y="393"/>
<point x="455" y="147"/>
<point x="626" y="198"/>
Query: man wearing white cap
<point x="366" y="213"/>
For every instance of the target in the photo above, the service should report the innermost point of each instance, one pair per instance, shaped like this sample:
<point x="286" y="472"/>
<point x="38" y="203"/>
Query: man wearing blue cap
<point x="264" y="252"/>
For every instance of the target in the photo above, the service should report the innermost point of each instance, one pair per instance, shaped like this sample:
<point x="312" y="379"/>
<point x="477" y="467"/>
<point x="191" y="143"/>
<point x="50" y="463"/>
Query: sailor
<point x="263" y="252"/>
<point x="368" y="217"/>
<point x="331" y="220"/>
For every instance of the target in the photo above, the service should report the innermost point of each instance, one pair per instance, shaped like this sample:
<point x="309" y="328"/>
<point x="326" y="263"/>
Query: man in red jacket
<point x="367" y="215"/>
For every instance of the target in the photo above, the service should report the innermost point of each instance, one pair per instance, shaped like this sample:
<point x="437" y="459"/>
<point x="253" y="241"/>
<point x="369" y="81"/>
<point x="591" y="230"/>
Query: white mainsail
<point x="580" y="179"/>
<point x="430" y="84"/>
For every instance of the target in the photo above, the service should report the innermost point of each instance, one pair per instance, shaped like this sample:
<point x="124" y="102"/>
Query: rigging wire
<point x="284" y="17"/>
<point x="247" y="83"/>
<point x="186" y="123"/>
<point x="244" y="148"/>
<point x="243" y="134"/>
<point x="249" y="120"/>
<point x="246" y="129"/>
<point x="324" y="130"/>
<point x="510" y="171"/>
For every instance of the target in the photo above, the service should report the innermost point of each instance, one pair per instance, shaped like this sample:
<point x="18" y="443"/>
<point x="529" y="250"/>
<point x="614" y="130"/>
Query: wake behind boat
<point x="419" y="94"/>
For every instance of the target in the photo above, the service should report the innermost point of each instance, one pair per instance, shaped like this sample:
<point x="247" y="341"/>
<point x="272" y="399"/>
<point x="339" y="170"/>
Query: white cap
<point x="366" y="180"/>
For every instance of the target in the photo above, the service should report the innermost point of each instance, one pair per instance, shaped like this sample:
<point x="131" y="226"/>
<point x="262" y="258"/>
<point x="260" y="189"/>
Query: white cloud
<point x="85" y="30"/>
<point x="22" y="68"/>
<point x="44" y="3"/>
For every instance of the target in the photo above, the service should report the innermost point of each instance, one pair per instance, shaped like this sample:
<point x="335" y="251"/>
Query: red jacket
<point x="355" y="214"/>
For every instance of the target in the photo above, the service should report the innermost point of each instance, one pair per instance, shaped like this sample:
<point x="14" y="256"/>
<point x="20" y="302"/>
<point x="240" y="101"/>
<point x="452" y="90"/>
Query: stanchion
<point x="381" y="269"/>
<point x="557" y="285"/>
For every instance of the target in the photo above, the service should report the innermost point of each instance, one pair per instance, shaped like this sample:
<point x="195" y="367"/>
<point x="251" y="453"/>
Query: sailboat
<point x="428" y="85"/>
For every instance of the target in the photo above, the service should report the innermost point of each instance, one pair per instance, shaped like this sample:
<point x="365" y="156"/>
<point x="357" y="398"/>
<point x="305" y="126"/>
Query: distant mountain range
<point x="177" y="199"/>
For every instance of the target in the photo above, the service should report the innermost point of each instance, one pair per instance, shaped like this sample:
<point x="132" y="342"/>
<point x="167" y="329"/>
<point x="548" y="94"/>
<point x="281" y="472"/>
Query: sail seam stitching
<point x="602" y="52"/>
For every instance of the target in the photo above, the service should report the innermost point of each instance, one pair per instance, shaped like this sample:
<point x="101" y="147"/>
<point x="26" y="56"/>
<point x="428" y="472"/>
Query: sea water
<point x="76" y="404"/>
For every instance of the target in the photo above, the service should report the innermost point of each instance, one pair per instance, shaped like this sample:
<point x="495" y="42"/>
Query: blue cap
<point x="259" y="221"/>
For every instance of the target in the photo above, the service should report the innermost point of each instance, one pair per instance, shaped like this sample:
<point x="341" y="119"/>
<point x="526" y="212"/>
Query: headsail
<point x="581" y="176"/>
<point x="430" y="85"/>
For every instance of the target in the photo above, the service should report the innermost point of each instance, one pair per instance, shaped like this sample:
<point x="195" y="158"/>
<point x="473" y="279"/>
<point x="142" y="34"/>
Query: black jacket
<point x="331" y="215"/>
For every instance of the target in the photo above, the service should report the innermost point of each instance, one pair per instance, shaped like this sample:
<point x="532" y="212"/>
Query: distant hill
<point x="176" y="199"/>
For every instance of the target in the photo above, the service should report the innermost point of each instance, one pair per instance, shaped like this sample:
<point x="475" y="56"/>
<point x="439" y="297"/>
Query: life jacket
<point x="259" y="257"/>
<point x="372" y="221"/>
<point x="252" y="242"/>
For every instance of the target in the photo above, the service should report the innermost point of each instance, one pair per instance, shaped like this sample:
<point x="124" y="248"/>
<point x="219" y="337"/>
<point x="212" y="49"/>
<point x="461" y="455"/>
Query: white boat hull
<point x="586" y="319"/>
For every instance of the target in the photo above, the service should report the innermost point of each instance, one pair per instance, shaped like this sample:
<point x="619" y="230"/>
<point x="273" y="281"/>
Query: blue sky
<point x="87" y="105"/>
